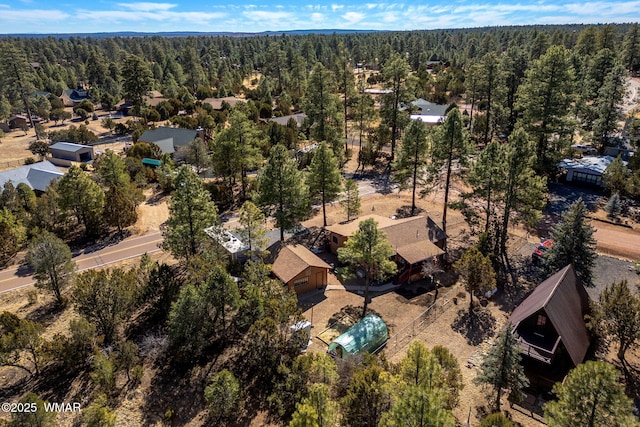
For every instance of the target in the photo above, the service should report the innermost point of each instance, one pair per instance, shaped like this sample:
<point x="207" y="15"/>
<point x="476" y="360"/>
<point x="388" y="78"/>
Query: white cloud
<point x="121" y="16"/>
<point x="147" y="6"/>
<point x="389" y="17"/>
<point x="353" y="17"/>
<point x="263" y="15"/>
<point x="164" y="15"/>
<point x="32" y="15"/>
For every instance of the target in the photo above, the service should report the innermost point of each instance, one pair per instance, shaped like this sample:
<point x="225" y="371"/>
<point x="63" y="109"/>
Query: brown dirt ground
<point x="152" y="213"/>
<point x="14" y="148"/>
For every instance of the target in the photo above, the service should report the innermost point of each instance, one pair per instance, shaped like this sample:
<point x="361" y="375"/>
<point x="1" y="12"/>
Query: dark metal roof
<point x="565" y="302"/>
<point x="168" y="138"/>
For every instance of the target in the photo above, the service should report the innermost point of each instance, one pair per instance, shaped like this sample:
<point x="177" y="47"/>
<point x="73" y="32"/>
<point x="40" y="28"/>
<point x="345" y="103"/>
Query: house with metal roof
<point x="169" y="139"/>
<point x="550" y="324"/>
<point x="366" y="336"/>
<point x="587" y="170"/>
<point x="428" y="112"/>
<point x="416" y="240"/>
<point x="300" y="269"/>
<point x="71" y="152"/>
<point x="38" y="176"/>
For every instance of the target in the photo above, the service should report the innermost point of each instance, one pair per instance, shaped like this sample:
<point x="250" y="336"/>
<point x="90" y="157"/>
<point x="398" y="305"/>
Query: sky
<point x="82" y="16"/>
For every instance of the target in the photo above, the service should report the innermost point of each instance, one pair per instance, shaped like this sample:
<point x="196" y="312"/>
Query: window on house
<point x="301" y="282"/>
<point x="542" y="320"/>
<point x="335" y="239"/>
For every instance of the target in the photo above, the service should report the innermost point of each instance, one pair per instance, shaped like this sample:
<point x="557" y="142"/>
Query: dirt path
<point x="618" y="241"/>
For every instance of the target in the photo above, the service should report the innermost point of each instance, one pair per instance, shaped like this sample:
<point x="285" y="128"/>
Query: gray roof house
<point x="169" y="139"/>
<point x="71" y="152"/>
<point x="429" y="112"/>
<point x="299" y="118"/>
<point x="588" y="170"/>
<point x="37" y="176"/>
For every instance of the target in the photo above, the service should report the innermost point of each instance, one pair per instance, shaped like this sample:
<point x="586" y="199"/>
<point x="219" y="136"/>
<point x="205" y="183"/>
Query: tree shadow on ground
<point x="632" y="380"/>
<point x="47" y="313"/>
<point x="476" y="326"/>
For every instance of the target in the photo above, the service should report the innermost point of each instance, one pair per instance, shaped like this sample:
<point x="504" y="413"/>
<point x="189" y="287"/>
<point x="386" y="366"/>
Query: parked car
<point x="543" y="247"/>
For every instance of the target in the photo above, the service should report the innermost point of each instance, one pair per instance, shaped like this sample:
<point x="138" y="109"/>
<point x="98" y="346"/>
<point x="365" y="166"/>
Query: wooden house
<point x="551" y="326"/>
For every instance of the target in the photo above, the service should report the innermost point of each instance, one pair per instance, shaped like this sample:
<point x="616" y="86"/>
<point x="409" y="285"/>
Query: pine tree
<point x="616" y="176"/>
<point x="105" y="298"/>
<point x="363" y="113"/>
<point x="223" y="396"/>
<point x="545" y="99"/>
<point x="613" y="206"/>
<point x="573" y="244"/>
<point x="450" y="142"/>
<point x="491" y="90"/>
<point x="137" y="80"/>
<point x="83" y="197"/>
<point x="616" y="316"/>
<point x="252" y="231"/>
<point x="369" y="249"/>
<point x="324" y="177"/>
<point x="190" y="212"/>
<point x="282" y="190"/>
<point x="486" y="178"/>
<point x="631" y="48"/>
<point x="51" y="261"/>
<point x="608" y="112"/>
<point x="368" y="395"/>
<point x="477" y="273"/>
<point x="121" y="198"/>
<point x="13" y="234"/>
<point x="501" y="370"/>
<point x="412" y="160"/>
<point x="418" y="406"/>
<point x="236" y="149"/>
<point x="590" y="396"/>
<point x="524" y="191"/>
<point x="395" y="73"/>
<point x="322" y="107"/>
<point x="350" y="202"/>
<point x="346" y="85"/>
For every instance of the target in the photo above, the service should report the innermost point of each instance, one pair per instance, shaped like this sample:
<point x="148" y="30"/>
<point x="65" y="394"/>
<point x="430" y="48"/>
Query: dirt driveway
<point x="618" y="241"/>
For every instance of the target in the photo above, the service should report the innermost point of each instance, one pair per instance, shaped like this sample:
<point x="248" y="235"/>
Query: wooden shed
<point x="300" y="269"/>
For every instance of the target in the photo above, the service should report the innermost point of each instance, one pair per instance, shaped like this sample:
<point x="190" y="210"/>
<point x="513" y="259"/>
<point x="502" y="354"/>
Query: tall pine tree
<point x="282" y="191"/>
<point x="573" y="244"/>
<point x="324" y="177"/>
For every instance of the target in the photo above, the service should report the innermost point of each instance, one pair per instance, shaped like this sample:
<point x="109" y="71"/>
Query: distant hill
<point x="186" y="34"/>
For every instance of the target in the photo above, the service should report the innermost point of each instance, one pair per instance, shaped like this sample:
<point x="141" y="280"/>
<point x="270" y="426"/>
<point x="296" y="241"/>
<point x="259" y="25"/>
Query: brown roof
<point x="565" y="302"/>
<point x="419" y="251"/>
<point x="412" y="238"/>
<point x="293" y="260"/>
<point x="348" y="228"/>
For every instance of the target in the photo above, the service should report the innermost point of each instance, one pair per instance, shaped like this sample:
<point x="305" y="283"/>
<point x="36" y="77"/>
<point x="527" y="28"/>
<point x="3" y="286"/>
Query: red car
<point x="541" y="249"/>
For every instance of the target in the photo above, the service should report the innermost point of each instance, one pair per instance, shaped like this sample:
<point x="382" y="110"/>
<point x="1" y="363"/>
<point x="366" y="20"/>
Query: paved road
<point x="20" y="276"/>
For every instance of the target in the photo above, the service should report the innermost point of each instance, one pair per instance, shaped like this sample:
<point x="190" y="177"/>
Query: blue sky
<point x="66" y="16"/>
